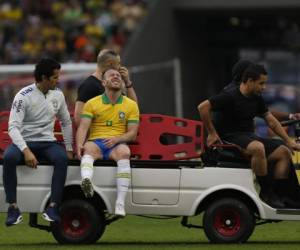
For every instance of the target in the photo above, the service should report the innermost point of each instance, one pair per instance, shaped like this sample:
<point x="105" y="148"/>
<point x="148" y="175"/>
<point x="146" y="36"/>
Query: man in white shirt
<point x="31" y="124"/>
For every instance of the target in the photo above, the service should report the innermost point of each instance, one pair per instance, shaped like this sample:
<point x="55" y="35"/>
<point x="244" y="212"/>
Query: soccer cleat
<point x="87" y="188"/>
<point x="119" y="210"/>
<point x="51" y="214"/>
<point x="14" y="216"/>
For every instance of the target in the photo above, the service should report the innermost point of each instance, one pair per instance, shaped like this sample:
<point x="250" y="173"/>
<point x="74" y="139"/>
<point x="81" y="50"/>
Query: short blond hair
<point x="104" y="56"/>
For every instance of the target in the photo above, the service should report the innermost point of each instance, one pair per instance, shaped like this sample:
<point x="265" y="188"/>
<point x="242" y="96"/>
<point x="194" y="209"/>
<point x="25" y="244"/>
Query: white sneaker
<point x="119" y="210"/>
<point x="87" y="188"/>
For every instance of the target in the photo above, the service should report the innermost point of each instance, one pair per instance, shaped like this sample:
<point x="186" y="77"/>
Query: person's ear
<point x="44" y="78"/>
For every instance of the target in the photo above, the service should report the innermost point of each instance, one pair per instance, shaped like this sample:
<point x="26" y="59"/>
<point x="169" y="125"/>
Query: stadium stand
<point x="69" y="31"/>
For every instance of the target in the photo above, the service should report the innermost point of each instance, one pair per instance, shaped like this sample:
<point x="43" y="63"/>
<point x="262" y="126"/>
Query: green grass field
<point x="140" y="233"/>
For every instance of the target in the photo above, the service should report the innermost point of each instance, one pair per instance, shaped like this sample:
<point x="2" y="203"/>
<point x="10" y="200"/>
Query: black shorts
<point x="244" y="139"/>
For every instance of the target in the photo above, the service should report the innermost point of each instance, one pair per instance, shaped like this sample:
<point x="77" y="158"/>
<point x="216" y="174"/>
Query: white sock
<point x="87" y="164"/>
<point x="123" y="179"/>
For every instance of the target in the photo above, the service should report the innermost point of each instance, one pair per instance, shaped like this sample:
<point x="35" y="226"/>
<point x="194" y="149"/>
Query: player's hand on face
<point x="30" y="159"/>
<point x="125" y="75"/>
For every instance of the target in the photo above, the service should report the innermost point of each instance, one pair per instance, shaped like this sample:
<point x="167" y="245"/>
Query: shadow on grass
<point x="144" y="244"/>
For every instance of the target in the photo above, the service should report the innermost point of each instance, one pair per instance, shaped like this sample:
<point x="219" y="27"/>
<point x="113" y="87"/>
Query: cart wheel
<point x="80" y="222"/>
<point x="228" y="220"/>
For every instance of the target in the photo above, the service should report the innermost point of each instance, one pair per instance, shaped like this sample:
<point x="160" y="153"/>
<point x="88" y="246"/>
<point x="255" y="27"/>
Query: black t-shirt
<point x="89" y="88"/>
<point x="231" y="86"/>
<point x="237" y="111"/>
<point x="218" y="116"/>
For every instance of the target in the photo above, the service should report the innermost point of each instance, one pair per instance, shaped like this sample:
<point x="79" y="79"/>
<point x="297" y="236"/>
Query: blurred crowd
<point x="67" y="30"/>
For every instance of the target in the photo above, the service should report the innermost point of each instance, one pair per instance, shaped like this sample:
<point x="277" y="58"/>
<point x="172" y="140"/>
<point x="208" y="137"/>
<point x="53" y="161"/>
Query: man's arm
<point x="16" y="117"/>
<point x="276" y="127"/>
<point x="77" y="112"/>
<point x="128" y="84"/>
<point x="81" y="134"/>
<point x="204" y="109"/>
<point x="281" y="116"/>
<point x="131" y="93"/>
<point x="66" y="126"/>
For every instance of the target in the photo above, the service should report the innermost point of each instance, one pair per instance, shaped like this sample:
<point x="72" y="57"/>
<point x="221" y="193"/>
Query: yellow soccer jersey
<point x="110" y="120"/>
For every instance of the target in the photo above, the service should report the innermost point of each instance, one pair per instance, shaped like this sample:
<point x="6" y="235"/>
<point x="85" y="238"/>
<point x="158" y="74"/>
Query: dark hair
<point x="238" y="69"/>
<point x="254" y="72"/>
<point x="45" y="67"/>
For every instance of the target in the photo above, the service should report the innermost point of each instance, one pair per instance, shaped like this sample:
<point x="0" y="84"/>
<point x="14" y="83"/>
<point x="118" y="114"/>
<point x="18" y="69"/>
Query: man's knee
<point x="92" y="149"/>
<point x="121" y="152"/>
<point x="256" y="148"/>
<point x="281" y="153"/>
<point x="12" y="156"/>
<point x="285" y="152"/>
<point x="59" y="156"/>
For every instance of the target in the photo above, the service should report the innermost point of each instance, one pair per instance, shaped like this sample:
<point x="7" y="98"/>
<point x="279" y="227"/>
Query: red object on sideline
<point x="160" y="137"/>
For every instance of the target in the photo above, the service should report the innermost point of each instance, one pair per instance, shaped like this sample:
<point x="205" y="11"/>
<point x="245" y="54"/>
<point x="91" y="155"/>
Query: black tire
<point x="81" y="223"/>
<point x="228" y="220"/>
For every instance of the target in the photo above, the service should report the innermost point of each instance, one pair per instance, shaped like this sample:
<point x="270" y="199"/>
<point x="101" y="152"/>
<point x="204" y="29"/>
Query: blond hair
<point x="105" y="56"/>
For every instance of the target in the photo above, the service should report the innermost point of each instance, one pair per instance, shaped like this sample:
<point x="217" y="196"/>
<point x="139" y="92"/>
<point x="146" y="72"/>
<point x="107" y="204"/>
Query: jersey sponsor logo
<point x="17" y="105"/>
<point x="109" y="123"/>
<point x="26" y="91"/>
<point x="121" y="115"/>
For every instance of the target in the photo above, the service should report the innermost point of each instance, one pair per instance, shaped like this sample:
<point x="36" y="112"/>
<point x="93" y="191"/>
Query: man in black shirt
<point x="92" y="86"/>
<point x="237" y="72"/>
<point x="239" y="107"/>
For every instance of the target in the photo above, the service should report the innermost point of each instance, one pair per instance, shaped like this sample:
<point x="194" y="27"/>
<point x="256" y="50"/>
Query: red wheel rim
<point x="75" y="223"/>
<point x="227" y="222"/>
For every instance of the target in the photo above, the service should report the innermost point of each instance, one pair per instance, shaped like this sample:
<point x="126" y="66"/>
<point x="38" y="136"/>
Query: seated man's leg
<point x="256" y="149"/>
<point x="293" y="189"/>
<point x="12" y="157"/>
<point x="281" y="157"/>
<point x="121" y="154"/>
<point x="267" y="194"/>
<point x="56" y="155"/>
<point x="91" y="152"/>
<point x="253" y="148"/>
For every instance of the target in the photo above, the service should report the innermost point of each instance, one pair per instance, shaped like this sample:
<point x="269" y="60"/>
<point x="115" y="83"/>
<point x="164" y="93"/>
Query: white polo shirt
<point x="33" y="115"/>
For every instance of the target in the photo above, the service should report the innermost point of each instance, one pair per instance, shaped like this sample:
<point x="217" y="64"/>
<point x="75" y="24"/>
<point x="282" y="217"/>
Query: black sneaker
<point x="14" y="216"/>
<point x="51" y="214"/>
<point x="271" y="199"/>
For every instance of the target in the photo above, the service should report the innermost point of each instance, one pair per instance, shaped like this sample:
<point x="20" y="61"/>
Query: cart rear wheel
<point x="228" y="220"/>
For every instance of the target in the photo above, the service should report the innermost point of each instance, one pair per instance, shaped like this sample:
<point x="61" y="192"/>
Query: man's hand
<point x="125" y="76"/>
<point x="30" y="159"/>
<point x="295" y="116"/>
<point x="213" y="138"/>
<point x="293" y="145"/>
<point x="70" y="155"/>
<point x="79" y="151"/>
<point x="110" y="142"/>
